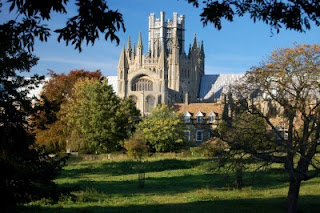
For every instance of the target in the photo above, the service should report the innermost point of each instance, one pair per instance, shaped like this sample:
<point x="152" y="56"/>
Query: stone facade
<point x="201" y="119"/>
<point x="166" y="74"/>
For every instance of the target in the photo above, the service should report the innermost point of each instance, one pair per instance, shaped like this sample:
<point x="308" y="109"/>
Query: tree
<point x="289" y="79"/>
<point x="28" y="170"/>
<point x="163" y="130"/>
<point x="100" y="118"/>
<point x="291" y="14"/>
<point x="48" y="127"/>
<point x="241" y="130"/>
<point x="136" y="147"/>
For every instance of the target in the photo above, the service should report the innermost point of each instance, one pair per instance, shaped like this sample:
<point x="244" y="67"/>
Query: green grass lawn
<point x="171" y="185"/>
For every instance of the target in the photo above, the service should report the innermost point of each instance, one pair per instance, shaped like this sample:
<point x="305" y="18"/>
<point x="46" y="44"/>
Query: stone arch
<point x="149" y="103"/>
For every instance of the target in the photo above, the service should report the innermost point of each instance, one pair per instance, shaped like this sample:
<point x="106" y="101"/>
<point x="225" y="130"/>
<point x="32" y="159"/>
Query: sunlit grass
<point x="171" y="185"/>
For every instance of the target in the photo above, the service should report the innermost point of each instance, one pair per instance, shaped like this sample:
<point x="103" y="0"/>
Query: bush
<point x="136" y="147"/>
<point x="214" y="147"/>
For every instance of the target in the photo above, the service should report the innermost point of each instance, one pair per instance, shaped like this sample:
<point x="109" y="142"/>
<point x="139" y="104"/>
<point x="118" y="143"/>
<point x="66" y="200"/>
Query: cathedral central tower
<point x="165" y="31"/>
<point x="165" y="73"/>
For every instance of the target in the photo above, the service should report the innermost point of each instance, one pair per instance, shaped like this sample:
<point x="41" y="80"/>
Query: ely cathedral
<point x="166" y="73"/>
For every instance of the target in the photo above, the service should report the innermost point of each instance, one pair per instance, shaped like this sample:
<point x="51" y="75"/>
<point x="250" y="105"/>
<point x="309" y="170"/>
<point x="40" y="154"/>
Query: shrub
<point x="214" y="147"/>
<point x="136" y="147"/>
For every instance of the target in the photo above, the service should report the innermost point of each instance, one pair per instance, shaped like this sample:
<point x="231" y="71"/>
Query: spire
<point x="129" y="44"/>
<point x="202" y="48"/>
<point x="123" y="58"/>
<point x="139" y="51"/>
<point x="194" y="41"/>
<point x="140" y="41"/>
<point x="134" y="49"/>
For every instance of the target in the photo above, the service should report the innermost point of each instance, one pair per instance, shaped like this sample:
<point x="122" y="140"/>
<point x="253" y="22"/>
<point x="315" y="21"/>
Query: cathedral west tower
<point x="165" y="74"/>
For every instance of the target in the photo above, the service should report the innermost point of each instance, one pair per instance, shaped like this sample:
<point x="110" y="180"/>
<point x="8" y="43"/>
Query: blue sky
<point x="234" y="49"/>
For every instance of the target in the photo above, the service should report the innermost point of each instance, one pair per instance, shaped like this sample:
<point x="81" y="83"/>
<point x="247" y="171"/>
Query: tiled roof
<point x="194" y="108"/>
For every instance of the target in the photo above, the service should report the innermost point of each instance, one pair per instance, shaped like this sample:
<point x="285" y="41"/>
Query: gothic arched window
<point x="142" y="83"/>
<point x="150" y="102"/>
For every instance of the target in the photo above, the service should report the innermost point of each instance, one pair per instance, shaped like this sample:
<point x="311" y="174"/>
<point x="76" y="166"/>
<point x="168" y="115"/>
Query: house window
<point x="199" y="119"/>
<point x="212" y="119"/>
<point x="199" y="135"/>
<point x="187" y="117"/>
<point x="187" y="135"/>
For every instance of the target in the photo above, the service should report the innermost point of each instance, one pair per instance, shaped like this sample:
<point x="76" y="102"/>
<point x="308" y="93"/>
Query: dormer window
<point x="199" y="117"/>
<point x="187" y="117"/>
<point x="212" y="117"/>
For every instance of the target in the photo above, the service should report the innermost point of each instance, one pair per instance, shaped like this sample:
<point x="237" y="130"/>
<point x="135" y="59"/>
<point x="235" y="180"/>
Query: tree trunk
<point x="293" y="195"/>
<point x="239" y="177"/>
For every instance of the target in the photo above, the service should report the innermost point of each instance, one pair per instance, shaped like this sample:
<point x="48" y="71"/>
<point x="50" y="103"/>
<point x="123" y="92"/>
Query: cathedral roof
<point x="214" y="85"/>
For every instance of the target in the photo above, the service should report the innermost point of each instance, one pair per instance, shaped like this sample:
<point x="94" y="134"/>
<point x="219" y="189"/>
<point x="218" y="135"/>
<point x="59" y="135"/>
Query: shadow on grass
<point x="114" y="168"/>
<point x="307" y="204"/>
<point x="179" y="184"/>
<point x="270" y="178"/>
<point x="161" y="185"/>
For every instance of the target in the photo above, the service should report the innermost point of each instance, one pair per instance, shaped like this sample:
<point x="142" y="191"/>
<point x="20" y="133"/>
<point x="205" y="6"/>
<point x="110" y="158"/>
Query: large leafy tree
<point x="27" y="172"/>
<point x="242" y="129"/>
<point x="290" y="80"/>
<point x="163" y="130"/>
<point x="97" y="118"/>
<point x="47" y="123"/>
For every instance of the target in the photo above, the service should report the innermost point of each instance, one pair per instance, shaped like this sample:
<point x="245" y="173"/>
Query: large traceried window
<point x="142" y="83"/>
<point x="150" y="103"/>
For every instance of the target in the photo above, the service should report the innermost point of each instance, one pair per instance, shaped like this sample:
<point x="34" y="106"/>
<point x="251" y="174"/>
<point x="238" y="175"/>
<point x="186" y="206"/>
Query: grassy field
<point x="171" y="185"/>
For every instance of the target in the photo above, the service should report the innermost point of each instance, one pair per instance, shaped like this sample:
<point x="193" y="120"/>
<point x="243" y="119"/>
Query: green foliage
<point x="27" y="171"/>
<point x="214" y="147"/>
<point x="163" y="130"/>
<point x="136" y="147"/>
<point x="98" y="117"/>
<point x="294" y="15"/>
<point x="245" y="131"/>
<point x="48" y="126"/>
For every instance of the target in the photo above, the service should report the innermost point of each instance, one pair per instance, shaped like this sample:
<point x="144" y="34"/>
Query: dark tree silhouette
<point x="291" y="14"/>
<point x="27" y="172"/>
